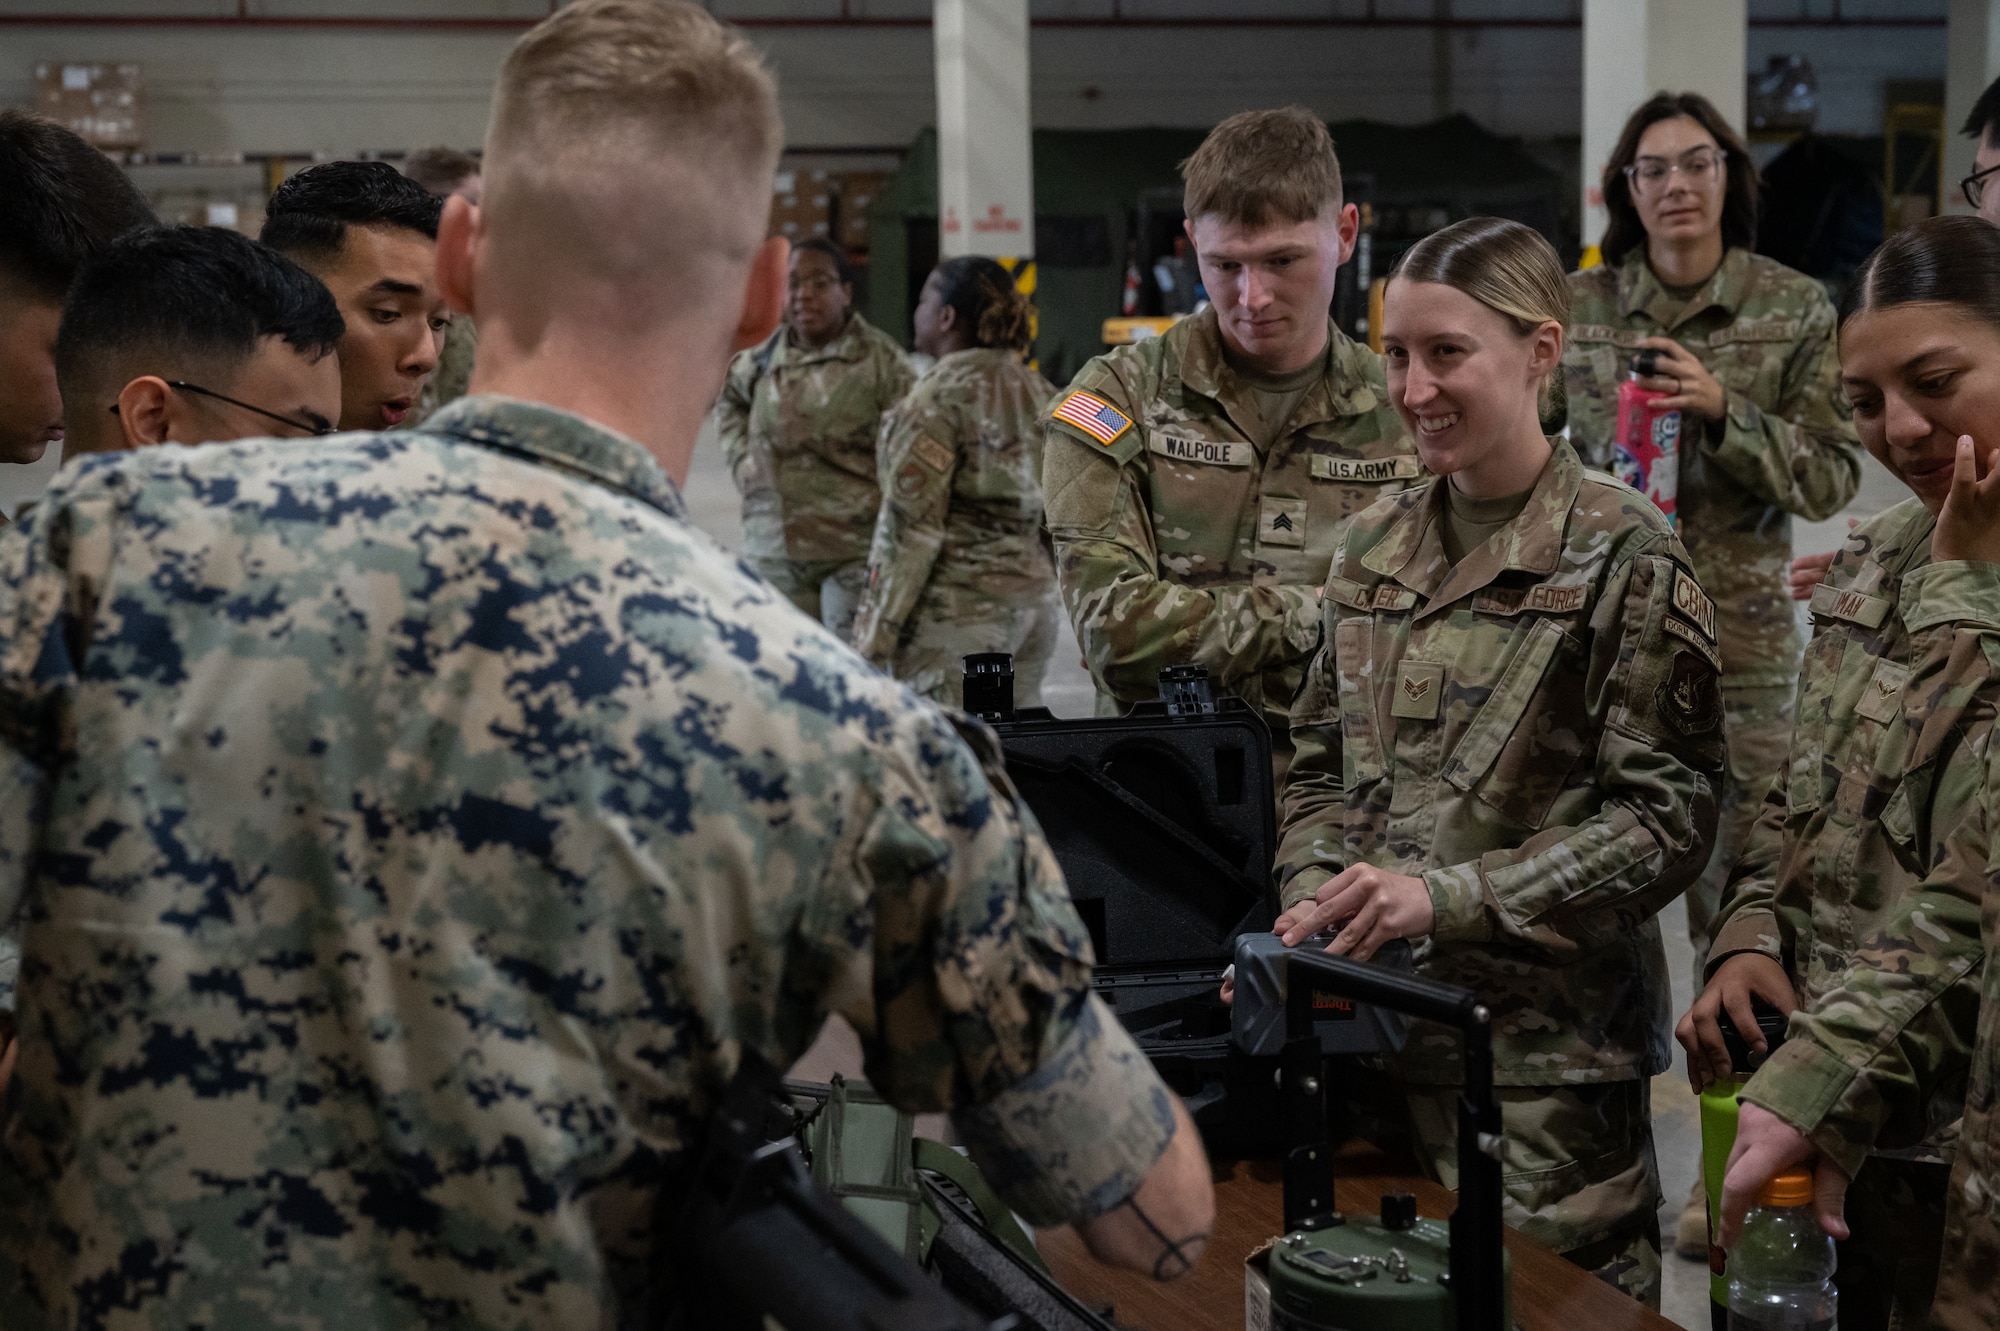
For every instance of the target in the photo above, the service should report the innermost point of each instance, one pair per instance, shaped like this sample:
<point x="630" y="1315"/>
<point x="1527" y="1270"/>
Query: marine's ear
<point x="459" y="233"/>
<point x="764" y="293"/>
<point x="146" y="411"/>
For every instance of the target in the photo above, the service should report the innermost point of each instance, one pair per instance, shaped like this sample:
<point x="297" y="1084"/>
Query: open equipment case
<point x="1165" y="823"/>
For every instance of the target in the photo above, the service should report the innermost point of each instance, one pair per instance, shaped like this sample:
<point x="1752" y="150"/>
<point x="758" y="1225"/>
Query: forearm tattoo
<point x="1176" y="1258"/>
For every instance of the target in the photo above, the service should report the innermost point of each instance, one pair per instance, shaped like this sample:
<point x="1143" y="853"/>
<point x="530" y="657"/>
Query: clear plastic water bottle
<point x="1781" y="1272"/>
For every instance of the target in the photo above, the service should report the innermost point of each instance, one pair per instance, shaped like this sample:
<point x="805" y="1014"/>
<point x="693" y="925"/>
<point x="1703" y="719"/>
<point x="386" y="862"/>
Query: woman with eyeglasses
<point x="1744" y="348"/>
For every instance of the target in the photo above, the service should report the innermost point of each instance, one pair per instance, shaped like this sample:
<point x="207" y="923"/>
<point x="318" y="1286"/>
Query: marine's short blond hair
<point x="1259" y="167"/>
<point x="608" y="84"/>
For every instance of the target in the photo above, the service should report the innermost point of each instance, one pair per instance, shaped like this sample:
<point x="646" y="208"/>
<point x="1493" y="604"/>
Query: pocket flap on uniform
<point x="1494" y="725"/>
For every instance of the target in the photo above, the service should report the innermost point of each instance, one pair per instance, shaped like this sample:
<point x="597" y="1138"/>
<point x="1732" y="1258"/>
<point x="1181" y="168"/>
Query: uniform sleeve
<point x="1131" y="622"/>
<point x="1902" y="1021"/>
<point x="975" y="996"/>
<point x="1314" y="845"/>
<point x="732" y="415"/>
<point x="49" y="562"/>
<point x="916" y="459"/>
<point x="1748" y="918"/>
<point x="1899" y="1025"/>
<point x="1803" y="454"/>
<point x="1655" y="704"/>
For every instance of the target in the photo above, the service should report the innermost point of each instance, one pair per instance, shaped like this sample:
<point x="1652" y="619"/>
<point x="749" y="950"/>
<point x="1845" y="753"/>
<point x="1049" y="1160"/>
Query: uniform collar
<point x="847" y="345"/>
<point x="1640" y="290"/>
<point x="1412" y="552"/>
<point x="1344" y="391"/>
<point x="557" y="438"/>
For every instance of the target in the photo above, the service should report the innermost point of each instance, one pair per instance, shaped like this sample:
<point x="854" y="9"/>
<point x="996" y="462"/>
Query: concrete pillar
<point x="986" y="192"/>
<point x="1635" y="48"/>
<point x="1971" y="61"/>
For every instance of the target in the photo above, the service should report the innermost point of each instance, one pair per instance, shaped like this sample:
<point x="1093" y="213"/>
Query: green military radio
<point x="1331" y="1272"/>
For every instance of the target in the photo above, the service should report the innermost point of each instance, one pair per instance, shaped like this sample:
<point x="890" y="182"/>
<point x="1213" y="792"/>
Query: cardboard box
<point x="802" y="204"/>
<point x="101" y="103"/>
<point x="1257" y="1287"/>
<point x="857" y="194"/>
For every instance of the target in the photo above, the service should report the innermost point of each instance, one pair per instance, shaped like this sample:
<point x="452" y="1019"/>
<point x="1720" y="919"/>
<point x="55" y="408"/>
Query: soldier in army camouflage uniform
<point x="1198" y="482"/>
<point x="960" y="562"/>
<point x="1889" y="952"/>
<point x="412" y="833"/>
<point x="799" y="416"/>
<point x="1747" y="352"/>
<point x="1825" y="866"/>
<point x="1508" y="748"/>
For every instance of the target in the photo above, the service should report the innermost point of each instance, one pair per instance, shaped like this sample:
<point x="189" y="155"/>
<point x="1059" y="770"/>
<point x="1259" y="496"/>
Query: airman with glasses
<point x="1746" y="355"/>
<point x="1981" y="189"/>
<point x="196" y="335"/>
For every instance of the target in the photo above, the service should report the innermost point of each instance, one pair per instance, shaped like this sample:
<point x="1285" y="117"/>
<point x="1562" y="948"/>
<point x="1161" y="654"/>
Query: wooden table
<point x="1549" y="1293"/>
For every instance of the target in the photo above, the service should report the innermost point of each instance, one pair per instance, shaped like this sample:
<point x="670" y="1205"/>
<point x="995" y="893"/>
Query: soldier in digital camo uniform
<point x="1748" y="355"/>
<point x="799" y="416"/>
<point x="1198" y="482"/>
<point x="1507" y="750"/>
<point x="1895" y="1011"/>
<point x="425" y="824"/>
<point x="960" y="562"/>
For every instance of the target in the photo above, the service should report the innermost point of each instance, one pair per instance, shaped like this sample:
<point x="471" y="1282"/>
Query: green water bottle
<point x="1719" y="1107"/>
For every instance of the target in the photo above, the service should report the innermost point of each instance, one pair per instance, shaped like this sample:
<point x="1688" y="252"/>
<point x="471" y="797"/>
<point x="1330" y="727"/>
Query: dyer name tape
<point x="1094" y="416"/>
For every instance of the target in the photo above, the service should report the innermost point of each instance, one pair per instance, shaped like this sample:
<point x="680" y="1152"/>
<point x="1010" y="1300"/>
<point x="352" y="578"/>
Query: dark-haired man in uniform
<point x="370" y="233"/>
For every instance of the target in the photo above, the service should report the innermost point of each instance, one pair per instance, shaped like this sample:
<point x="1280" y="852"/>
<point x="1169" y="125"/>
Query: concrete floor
<point x="712" y="501"/>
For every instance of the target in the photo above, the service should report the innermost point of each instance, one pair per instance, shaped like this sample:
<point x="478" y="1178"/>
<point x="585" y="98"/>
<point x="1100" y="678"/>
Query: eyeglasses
<point x="313" y="424"/>
<point x="817" y="284"/>
<point x="1974" y="185"/>
<point x="1652" y="175"/>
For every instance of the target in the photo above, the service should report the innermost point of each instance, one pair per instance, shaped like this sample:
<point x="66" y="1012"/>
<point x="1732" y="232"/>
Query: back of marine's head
<point x="628" y="168"/>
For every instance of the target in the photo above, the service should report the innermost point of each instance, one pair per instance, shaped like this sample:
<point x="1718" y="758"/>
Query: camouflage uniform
<point x="1828" y="860"/>
<point x="422" y="824"/>
<point x="960" y="562"/>
<point x="1537" y="733"/>
<point x="1178" y="541"/>
<point x="1786" y="446"/>
<point x="798" y="425"/>
<point x="1882" y="1045"/>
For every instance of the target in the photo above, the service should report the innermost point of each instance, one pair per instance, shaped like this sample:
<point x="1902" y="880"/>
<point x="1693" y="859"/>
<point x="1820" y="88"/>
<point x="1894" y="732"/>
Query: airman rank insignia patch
<point x="1419" y="685"/>
<point x="1693" y="602"/>
<point x="933" y="454"/>
<point x="1689" y="701"/>
<point x="1094" y="416"/>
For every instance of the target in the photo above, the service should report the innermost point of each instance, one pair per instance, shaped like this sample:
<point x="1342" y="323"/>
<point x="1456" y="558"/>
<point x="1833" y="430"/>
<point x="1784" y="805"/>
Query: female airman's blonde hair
<point x="1506" y="267"/>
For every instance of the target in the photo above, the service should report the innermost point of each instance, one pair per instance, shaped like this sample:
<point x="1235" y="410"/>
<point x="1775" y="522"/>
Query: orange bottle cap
<point x="1794" y="1187"/>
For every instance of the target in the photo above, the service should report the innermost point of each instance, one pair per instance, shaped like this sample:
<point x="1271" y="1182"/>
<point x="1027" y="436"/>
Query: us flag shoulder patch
<point x="1094" y="416"/>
